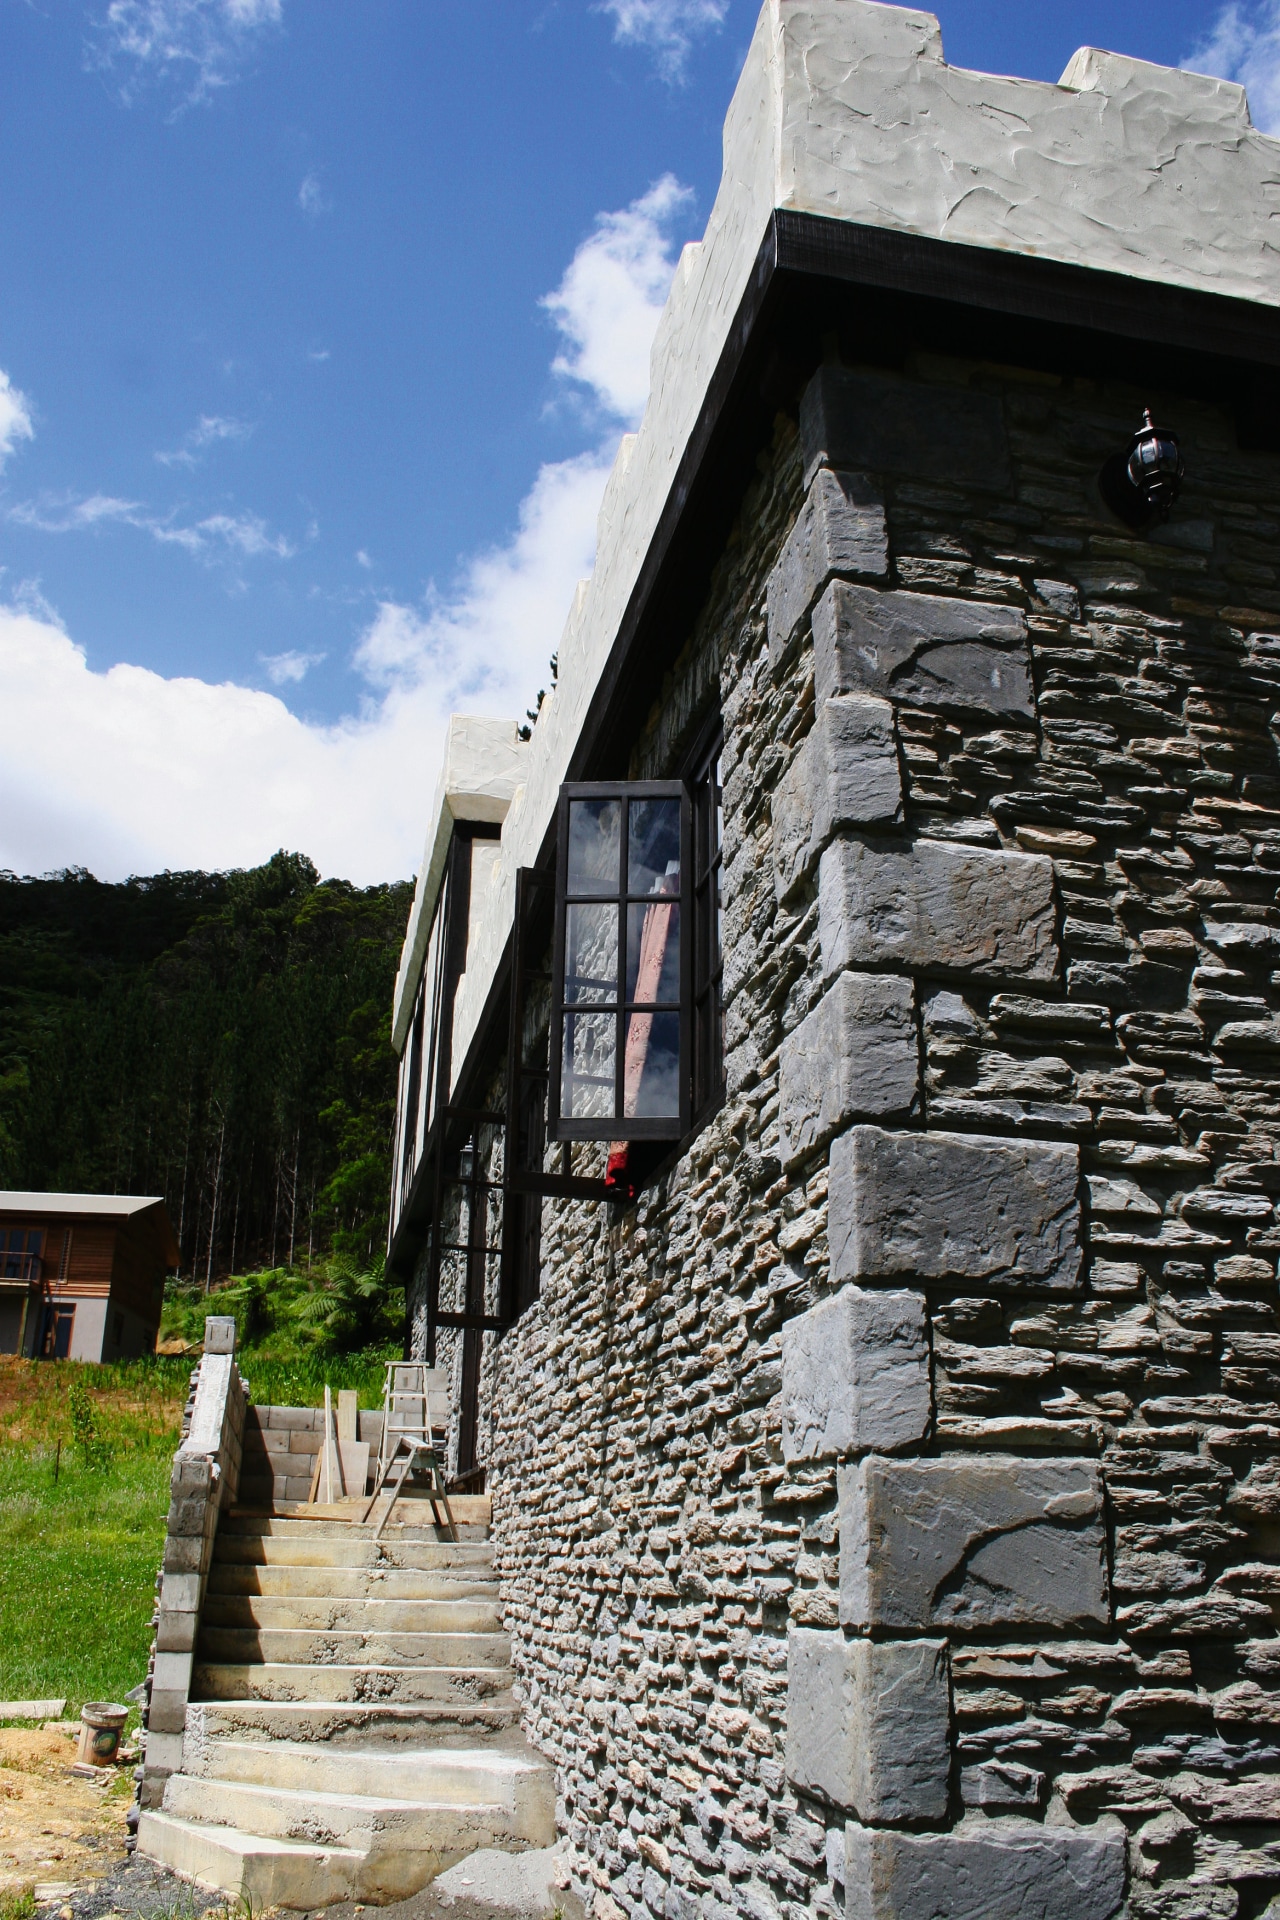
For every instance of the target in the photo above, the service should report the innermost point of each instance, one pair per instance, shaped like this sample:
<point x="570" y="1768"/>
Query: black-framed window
<point x="707" y="929"/>
<point x="622" y="974"/>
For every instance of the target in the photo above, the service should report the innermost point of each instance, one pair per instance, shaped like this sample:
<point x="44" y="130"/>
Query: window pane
<point x="588" y="1066"/>
<point x="653" y="952"/>
<point x="591" y="954"/>
<point x="651" y="1074"/>
<point x="595" y="840"/>
<point x="653" y="850"/>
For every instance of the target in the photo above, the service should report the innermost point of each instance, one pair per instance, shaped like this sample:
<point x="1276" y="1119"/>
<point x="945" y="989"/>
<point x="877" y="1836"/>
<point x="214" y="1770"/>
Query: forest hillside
<point x="218" y="1038"/>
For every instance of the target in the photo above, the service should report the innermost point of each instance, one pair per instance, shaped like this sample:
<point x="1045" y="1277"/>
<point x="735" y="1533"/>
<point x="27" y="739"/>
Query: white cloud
<point x="218" y="534"/>
<point x="1244" y="44"/>
<point x="198" y="44"/>
<point x="209" y="430"/>
<point x="608" y="303"/>
<point x="126" y="771"/>
<point x="311" y="198"/>
<point x="667" y="27"/>
<point x="285" y="669"/>
<point x="15" y="417"/>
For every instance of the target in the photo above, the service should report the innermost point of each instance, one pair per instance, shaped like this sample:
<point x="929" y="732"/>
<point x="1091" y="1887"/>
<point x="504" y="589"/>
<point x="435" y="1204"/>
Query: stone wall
<point x="887" y="1504"/>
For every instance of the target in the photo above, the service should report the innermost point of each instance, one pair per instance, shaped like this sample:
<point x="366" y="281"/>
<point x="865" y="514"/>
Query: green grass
<point x="78" y="1561"/>
<point x="301" y="1383"/>
<point x="79" y="1556"/>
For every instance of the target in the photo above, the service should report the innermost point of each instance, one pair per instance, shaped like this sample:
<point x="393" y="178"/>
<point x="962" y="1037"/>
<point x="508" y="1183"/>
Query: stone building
<point x="840" y="1088"/>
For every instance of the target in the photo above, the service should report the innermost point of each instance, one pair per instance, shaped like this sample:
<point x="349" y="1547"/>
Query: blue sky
<point x="319" y="325"/>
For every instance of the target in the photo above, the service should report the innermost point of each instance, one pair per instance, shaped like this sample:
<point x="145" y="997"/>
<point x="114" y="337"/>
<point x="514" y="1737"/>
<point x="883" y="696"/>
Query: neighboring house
<point x="840" y="1090"/>
<point x="82" y="1274"/>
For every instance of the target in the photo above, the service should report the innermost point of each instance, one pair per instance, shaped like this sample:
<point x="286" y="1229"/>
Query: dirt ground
<point x="56" y="1830"/>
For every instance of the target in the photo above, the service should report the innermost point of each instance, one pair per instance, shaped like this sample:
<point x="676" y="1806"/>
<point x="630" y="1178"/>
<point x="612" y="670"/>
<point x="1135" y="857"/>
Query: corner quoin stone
<point x="868" y="1724"/>
<point x="969" y="1542"/>
<point x="933" y="905"/>
<point x="954" y="1206"/>
<point x="1010" y="1871"/>
<point x="855" y="1053"/>
<point x="921" y="650"/>
<point x="839" y="529"/>
<point x="855" y="1375"/>
<point x="846" y="774"/>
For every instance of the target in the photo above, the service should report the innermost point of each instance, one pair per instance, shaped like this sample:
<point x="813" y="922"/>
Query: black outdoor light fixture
<point x="1142" y="483"/>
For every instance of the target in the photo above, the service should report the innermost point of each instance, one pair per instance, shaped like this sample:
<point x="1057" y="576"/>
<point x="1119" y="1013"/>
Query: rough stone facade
<point x="888" y="1503"/>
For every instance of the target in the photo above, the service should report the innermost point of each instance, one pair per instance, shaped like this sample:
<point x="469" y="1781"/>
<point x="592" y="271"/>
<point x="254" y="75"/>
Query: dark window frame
<point x="617" y="1126"/>
<point x="706" y="788"/>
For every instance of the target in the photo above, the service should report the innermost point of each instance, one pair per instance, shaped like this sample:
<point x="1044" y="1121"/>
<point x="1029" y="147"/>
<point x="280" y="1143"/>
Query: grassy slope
<point x="78" y="1558"/>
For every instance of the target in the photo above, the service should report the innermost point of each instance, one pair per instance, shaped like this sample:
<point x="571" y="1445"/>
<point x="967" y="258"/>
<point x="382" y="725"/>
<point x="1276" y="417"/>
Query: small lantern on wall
<point x="1142" y="483"/>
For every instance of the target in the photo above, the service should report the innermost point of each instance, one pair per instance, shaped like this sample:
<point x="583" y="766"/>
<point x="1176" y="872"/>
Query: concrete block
<point x="855" y="1375"/>
<point x="839" y="529"/>
<point x="868" y="1724"/>
<point x="853" y="417"/>
<point x="167" y="1711"/>
<point x="970" y="1542"/>
<point x="855" y="1054"/>
<point x="292" y="1418"/>
<point x="176" y="1632"/>
<point x="934" y="905"/>
<point x="954" y="1206"/>
<point x="172" y="1673"/>
<point x="164" y="1752"/>
<point x="192" y="1474"/>
<point x="184" y="1553"/>
<point x="181" y="1592"/>
<point x="187" y="1515"/>
<point x="846" y="774"/>
<point x="922" y="650"/>
<point x="219" y="1333"/>
<point x="990" y="1871"/>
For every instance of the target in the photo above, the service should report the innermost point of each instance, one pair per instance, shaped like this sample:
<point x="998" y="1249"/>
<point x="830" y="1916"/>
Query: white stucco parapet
<point x="484" y="764"/>
<point x="848" y="110"/>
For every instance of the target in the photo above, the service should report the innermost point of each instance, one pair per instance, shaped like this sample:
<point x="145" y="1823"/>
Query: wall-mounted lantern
<point x="1142" y="483"/>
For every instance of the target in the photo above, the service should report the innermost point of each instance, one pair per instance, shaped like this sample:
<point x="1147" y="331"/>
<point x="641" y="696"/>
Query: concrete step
<point x="349" y="1549"/>
<point x="420" y="1836"/>
<point x="352" y="1616"/>
<point x="262" y="1873"/>
<point x="306" y="1646"/>
<point x="357" y="1723"/>
<point x="511" y="1788"/>
<point x="372" y="1681"/>
<point x="470" y="1511"/>
<point x="352" y="1583"/>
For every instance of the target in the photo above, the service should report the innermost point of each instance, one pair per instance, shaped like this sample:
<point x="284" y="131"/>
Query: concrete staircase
<point x="351" y="1731"/>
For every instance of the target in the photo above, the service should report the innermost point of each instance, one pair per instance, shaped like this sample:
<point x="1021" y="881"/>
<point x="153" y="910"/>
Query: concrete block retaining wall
<point x="280" y="1449"/>
<point x="205" y="1479"/>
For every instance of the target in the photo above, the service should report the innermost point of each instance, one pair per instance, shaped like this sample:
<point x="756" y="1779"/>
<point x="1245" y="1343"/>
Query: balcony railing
<point x="21" y="1266"/>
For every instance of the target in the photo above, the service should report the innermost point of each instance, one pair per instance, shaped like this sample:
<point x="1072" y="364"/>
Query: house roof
<point x="116" y="1205"/>
<point x="147" y="1208"/>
